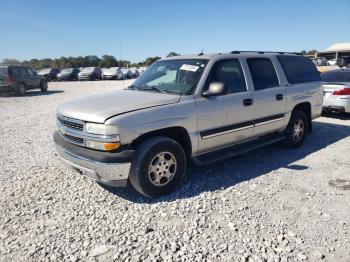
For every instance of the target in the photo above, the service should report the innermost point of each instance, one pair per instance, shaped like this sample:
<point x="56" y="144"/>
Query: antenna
<point x="121" y="61"/>
<point x="201" y="53"/>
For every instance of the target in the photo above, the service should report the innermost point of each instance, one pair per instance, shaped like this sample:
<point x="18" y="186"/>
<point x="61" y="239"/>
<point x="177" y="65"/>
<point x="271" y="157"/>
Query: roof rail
<point x="265" y="52"/>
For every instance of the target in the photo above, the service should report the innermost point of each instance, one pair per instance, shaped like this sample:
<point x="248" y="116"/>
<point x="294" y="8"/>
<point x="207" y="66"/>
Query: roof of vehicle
<point x="212" y="55"/>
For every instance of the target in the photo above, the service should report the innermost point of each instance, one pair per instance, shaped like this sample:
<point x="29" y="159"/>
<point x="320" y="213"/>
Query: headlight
<point x="101" y="129"/>
<point x="102" y="145"/>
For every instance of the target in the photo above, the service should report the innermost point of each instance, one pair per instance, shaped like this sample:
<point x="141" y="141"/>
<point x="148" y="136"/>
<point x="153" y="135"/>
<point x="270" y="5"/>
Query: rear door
<point x="23" y="77"/>
<point x="227" y="119"/>
<point x="269" y="96"/>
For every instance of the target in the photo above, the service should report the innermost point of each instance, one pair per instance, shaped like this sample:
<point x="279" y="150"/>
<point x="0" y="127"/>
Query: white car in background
<point x="126" y="73"/>
<point x="112" y="73"/>
<point x="332" y="62"/>
<point x="134" y="72"/>
<point x="336" y="94"/>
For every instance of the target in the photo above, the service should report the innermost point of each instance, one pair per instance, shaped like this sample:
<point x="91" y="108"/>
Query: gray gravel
<point x="273" y="204"/>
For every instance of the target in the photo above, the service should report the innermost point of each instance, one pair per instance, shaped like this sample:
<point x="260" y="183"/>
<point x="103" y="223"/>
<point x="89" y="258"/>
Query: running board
<point x="237" y="149"/>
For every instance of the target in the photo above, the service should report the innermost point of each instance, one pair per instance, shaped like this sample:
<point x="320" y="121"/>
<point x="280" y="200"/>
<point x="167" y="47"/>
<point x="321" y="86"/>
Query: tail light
<point x="342" y="92"/>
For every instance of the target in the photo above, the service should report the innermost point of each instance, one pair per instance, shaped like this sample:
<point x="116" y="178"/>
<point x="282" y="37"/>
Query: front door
<point x="269" y="96"/>
<point x="226" y="119"/>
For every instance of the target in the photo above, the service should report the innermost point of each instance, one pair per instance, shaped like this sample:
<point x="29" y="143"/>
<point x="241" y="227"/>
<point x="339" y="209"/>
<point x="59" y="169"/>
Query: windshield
<point x="88" y="69"/>
<point x="67" y="70"/>
<point x="111" y="70"/>
<point x="45" y="71"/>
<point x="336" y="76"/>
<point x="172" y="76"/>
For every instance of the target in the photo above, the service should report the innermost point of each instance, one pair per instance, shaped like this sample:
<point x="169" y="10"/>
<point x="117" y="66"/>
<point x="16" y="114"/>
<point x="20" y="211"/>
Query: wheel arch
<point x="305" y="107"/>
<point x="178" y="133"/>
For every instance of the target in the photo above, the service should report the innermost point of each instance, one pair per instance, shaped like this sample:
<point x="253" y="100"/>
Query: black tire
<point x="296" y="130"/>
<point x="43" y="86"/>
<point x="147" y="157"/>
<point x="21" y="90"/>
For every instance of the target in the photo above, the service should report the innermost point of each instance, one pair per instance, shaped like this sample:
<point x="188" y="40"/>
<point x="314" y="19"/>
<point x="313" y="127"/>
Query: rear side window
<point x="263" y="73"/>
<point x="230" y="73"/>
<point x="13" y="71"/>
<point x="3" y="70"/>
<point x="298" y="69"/>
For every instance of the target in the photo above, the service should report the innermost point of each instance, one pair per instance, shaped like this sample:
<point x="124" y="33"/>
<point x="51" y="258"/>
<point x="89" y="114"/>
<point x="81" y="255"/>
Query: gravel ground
<point x="273" y="204"/>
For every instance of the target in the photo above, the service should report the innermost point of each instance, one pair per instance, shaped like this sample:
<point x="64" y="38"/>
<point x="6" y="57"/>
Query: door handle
<point x="247" y="102"/>
<point x="279" y="97"/>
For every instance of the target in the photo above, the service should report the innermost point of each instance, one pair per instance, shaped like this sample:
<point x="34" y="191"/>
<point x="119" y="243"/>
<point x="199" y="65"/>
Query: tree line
<point x="105" y="61"/>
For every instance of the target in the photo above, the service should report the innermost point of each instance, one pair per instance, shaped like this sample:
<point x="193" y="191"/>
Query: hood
<point x="100" y="107"/>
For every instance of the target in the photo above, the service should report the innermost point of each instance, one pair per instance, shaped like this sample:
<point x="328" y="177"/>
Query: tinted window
<point x="230" y="73"/>
<point x="22" y="71"/>
<point x="30" y="72"/>
<point x="263" y="73"/>
<point x="298" y="69"/>
<point x="3" y="71"/>
<point x="336" y="76"/>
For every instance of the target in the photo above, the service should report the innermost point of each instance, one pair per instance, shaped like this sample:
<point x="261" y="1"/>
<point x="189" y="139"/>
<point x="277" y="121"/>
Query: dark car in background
<point x="49" y="73"/>
<point x="343" y="61"/>
<point x="19" y="79"/>
<point x="90" y="73"/>
<point x="68" y="74"/>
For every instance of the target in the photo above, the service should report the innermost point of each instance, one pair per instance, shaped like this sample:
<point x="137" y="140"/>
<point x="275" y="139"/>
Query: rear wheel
<point x="43" y="86"/>
<point x="158" y="167"/>
<point x="21" y="90"/>
<point x="296" y="129"/>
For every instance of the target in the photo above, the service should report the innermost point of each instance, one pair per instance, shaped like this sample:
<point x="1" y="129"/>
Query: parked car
<point x="198" y="108"/>
<point x="332" y="62"/>
<point x="336" y="94"/>
<point x="141" y="70"/>
<point x="344" y="61"/>
<point x="68" y="74"/>
<point x="19" y="79"/>
<point x="49" y="73"/>
<point x="112" y="73"/>
<point x="90" y="73"/>
<point x="321" y="61"/>
<point x="126" y="73"/>
<point x="134" y="72"/>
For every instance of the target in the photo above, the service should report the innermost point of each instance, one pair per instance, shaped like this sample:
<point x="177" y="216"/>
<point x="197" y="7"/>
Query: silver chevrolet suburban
<point x="198" y="109"/>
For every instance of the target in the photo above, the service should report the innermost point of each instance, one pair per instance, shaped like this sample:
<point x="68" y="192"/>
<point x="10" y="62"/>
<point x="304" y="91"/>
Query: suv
<point x="68" y="74"/>
<point x="343" y="61"/>
<point x="198" y="108"/>
<point x="18" y="78"/>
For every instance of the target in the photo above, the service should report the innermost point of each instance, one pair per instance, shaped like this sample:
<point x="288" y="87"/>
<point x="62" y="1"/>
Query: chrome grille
<point x="74" y="139"/>
<point x="71" y="123"/>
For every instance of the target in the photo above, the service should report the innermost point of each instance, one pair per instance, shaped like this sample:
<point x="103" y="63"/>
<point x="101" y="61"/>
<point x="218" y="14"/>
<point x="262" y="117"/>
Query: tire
<point x="43" y="86"/>
<point x="296" y="130"/>
<point x="21" y="90"/>
<point x="158" y="167"/>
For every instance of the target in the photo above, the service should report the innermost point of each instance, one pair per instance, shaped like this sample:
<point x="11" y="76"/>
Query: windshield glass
<point x="67" y="70"/>
<point x="172" y="76"/>
<point x="88" y="69"/>
<point x="111" y="70"/>
<point x="45" y="71"/>
<point x="336" y="76"/>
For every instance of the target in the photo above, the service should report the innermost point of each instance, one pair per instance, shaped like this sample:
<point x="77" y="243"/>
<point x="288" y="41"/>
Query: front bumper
<point x="108" y="168"/>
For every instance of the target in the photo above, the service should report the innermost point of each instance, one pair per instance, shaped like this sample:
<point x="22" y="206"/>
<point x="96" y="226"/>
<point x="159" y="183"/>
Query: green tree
<point x="172" y="54"/>
<point x="108" y="61"/>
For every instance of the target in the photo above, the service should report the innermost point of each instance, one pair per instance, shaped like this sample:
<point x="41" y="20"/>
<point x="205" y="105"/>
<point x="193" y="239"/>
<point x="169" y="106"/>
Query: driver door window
<point x="231" y="74"/>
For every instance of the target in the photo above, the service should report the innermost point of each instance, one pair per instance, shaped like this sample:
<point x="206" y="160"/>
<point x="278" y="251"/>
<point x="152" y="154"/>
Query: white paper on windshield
<point x="186" y="67"/>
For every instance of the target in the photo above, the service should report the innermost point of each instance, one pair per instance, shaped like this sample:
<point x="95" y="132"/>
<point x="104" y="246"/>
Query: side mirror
<point x="215" y="89"/>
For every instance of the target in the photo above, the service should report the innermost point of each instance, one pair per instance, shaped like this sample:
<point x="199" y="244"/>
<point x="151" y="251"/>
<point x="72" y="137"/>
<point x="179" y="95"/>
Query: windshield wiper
<point x="155" y="88"/>
<point x="133" y="87"/>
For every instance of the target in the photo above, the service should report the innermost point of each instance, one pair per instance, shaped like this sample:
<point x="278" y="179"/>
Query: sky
<point x="140" y="29"/>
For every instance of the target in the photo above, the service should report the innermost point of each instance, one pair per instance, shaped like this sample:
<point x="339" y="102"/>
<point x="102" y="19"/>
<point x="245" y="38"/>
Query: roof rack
<point x="265" y="52"/>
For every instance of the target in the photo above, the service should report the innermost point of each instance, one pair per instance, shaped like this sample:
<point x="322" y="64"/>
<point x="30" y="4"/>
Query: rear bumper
<point x="337" y="103"/>
<point x="111" y="169"/>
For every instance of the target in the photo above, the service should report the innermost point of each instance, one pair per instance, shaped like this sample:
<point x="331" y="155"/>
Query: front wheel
<point x="296" y="129"/>
<point x="158" y="167"/>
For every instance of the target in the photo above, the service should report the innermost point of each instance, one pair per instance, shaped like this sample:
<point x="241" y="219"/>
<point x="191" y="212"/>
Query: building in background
<point x="336" y="50"/>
